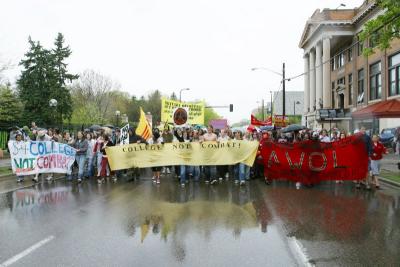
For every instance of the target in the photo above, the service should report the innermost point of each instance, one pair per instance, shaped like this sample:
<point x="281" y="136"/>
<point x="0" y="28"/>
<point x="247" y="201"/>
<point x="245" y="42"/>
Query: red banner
<point x="256" y="122"/>
<point x="312" y="161"/>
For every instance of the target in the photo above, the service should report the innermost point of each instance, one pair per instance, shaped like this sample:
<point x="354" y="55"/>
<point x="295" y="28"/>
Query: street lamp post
<point x="283" y="84"/>
<point x="271" y="103"/>
<point x="53" y="104"/>
<point x="294" y="107"/>
<point x="180" y="93"/>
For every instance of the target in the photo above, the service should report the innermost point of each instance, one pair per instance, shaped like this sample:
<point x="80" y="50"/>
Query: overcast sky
<point x="208" y="46"/>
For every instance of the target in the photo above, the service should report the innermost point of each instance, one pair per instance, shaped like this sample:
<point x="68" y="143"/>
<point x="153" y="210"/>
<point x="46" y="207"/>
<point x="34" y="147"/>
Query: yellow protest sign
<point x="192" y="154"/>
<point x="195" y="111"/>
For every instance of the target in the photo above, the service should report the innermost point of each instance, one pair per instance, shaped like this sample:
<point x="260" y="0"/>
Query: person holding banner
<point x="240" y="168"/>
<point x="42" y="136"/>
<point x="223" y="170"/>
<point x="104" y="160"/>
<point x="18" y="142"/>
<point x="156" y="139"/>
<point x="89" y="155"/>
<point x="135" y="139"/>
<point x="210" y="171"/>
<point x="81" y="147"/>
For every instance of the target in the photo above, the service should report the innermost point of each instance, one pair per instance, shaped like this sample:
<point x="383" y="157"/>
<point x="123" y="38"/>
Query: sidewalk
<point x="5" y="162"/>
<point x="389" y="163"/>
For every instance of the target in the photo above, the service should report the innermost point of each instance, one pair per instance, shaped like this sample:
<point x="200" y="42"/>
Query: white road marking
<point x="26" y="252"/>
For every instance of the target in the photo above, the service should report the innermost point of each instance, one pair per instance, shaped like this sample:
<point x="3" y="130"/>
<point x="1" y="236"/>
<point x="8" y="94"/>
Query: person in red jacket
<point x="378" y="149"/>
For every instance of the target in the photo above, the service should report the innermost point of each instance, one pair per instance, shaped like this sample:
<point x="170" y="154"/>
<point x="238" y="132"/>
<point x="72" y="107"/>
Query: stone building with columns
<point x="338" y="77"/>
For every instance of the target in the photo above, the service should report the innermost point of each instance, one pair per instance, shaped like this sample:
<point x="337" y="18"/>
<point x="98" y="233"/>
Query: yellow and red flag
<point x="144" y="129"/>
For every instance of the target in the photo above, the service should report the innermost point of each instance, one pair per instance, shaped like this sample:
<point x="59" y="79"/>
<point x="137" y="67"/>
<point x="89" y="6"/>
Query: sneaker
<point x="49" y="178"/>
<point x="227" y="175"/>
<point x="242" y="182"/>
<point x="168" y="171"/>
<point x="36" y="180"/>
<point x="158" y="181"/>
<point x="183" y="184"/>
<point x="220" y="179"/>
<point x="298" y="184"/>
<point x="207" y="182"/>
<point x="114" y="179"/>
<point x="20" y="180"/>
<point x="214" y="181"/>
<point x="79" y="180"/>
<point x="236" y="181"/>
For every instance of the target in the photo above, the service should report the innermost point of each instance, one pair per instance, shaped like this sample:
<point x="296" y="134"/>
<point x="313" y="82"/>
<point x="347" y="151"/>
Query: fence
<point x="3" y="139"/>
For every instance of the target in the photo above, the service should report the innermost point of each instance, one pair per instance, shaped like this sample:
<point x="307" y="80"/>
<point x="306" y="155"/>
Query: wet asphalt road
<point x="141" y="224"/>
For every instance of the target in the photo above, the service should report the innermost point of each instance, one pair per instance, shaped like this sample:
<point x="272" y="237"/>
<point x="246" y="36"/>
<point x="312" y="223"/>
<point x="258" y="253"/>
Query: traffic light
<point x="231" y="108"/>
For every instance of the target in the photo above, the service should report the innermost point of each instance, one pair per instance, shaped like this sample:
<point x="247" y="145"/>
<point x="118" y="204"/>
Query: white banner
<point x="125" y="135"/>
<point x="40" y="157"/>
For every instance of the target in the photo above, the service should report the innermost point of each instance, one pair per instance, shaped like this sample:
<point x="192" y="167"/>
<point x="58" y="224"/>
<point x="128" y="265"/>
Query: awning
<point x="383" y="109"/>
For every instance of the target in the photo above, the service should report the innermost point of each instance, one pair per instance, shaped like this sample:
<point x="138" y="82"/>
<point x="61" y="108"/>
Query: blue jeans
<point x="99" y="156"/>
<point x="80" y="159"/>
<point x="90" y="167"/>
<point x="183" y="173"/>
<point x="210" y="172"/>
<point x="240" y="172"/>
<point x="195" y="171"/>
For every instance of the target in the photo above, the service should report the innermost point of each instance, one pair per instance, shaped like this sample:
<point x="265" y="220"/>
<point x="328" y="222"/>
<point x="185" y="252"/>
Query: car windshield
<point x="388" y="131"/>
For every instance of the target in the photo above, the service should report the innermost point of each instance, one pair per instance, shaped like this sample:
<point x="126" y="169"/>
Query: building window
<point x="333" y="94"/>
<point x="375" y="81"/>
<point x="360" y="97"/>
<point x="394" y="75"/>
<point x="333" y="63"/>
<point x="350" y="54"/>
<point x="340" y="60"/>
<point x="350" y="89"/>
<point x="360" y="46"/>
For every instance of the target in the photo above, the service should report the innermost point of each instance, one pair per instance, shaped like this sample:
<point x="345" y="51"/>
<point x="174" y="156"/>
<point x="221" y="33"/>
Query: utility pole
<point x="263" y="109"/>
<point x="271" y="103"/>
<point x="283" y="91"/>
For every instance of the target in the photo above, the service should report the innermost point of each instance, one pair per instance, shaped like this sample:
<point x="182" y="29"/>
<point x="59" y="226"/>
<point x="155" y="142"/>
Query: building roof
<point x="337" y="17"/>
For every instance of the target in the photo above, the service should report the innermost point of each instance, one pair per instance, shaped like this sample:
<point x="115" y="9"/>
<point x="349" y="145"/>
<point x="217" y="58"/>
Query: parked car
<point x="388" y="137"/>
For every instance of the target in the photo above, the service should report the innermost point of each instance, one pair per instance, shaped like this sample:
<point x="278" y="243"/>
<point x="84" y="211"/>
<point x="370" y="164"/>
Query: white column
<point x="306" y="84"/>
<point x="318" y="74"/>
<point x="312" y="80"/>
<point x="326" y="73"/>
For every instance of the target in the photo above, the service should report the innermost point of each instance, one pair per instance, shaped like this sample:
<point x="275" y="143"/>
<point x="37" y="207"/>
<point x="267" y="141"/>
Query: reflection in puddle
<point x="32" y="198"/>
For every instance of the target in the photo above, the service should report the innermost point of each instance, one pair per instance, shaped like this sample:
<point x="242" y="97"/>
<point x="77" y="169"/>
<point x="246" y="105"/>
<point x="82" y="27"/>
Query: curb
<point x="387" y="181"/>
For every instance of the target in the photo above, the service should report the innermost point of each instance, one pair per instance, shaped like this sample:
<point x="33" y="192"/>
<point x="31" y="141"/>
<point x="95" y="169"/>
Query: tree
<point x="60" y="92"/>
<point x="34" y="83"/>
<point x="210" y="114"/>
<point x="44" y="76"/>
<point x="173" y="96"/>
<point x="153" y="105"/>
<point x="10" y="107"/>
<point x="384" y="28"/>
<point x="95" y="88"/>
